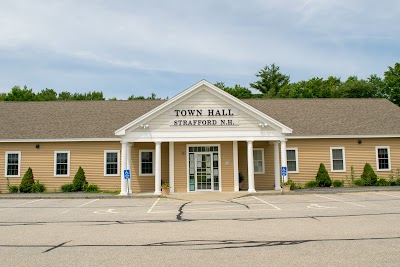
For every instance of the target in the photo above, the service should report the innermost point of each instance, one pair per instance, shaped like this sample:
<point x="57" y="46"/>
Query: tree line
<point x="271" y="83"/>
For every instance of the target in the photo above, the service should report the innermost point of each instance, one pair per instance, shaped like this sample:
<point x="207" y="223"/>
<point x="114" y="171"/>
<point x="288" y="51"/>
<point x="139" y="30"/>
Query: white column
<point x="283" y="157"/>
<point x="276" y="167"/>
<point x="235" y="167"/>
<point x="250" y="166"/>
<point x="158" y="169"/>
<point x="129" y="164"/>
<point x="171" y="167"/>
<point x="123" y="167"/>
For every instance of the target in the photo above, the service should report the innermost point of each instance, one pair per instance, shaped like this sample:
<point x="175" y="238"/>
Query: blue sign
<point x="127" y="174"/>
<point x="284" y="171"/>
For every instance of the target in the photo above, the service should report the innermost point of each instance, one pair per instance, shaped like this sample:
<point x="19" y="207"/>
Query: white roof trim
<point x="342" y="136"/>
<point x="59" y="140"/>
<point x="184" y="93"/>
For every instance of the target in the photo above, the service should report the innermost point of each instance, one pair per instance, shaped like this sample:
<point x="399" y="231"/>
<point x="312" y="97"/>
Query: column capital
<point x="124" y="142"/>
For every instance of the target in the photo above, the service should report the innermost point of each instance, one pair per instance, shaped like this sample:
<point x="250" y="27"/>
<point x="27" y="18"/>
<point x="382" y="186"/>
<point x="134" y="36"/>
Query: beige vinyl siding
<point x="261" y="181"/>
<point x="226" y="155"/>
<point x="313" y="152"/>
<point x="147" y="183"/>
<point x="89" y="155"/>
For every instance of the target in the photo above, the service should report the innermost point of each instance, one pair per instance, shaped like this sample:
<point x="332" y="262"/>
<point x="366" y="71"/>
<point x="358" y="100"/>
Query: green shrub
<point x="322" y="178"/>
<point x="79" y="180"/>
<point x="382" y="182"/>
<point x="368" y="175"/>
<point x="37" y="187"/>
<point x="398" y="181"/>
<point x="311" y="184"/>
<point x="13" y="189"/>
<point x="359" y="182"/>
<point x="67" y="188"/>
<point x="91" y="188"/>
<point x="292" y="184"/>
<point x="27" y="182"/>
<point x="338" y="183"/>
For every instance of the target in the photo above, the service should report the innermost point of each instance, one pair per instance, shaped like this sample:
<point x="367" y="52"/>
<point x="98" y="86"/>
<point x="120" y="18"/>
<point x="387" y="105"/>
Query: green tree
<point x="132" y="97"/>
<point x="271" y="81"/>
<point x="369" y="176"/>
<point x="46" y="95"/>
<point x="392" y="83"/>
<point x="27" y="182"/>
<point x="322" y="177"/>
<point x="95" y="95"/>
<point x="239" y="91"/>
<point x="18" y="94"/>
<point x="3" y="96"/>
<point x="65" y="96"/>
<point x="79" y="181"/>
<point x="355" y="88"/>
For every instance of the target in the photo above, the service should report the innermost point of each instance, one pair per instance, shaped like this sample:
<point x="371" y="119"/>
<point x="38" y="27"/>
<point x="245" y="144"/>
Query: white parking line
<point x="267" y="203"/>
<point x="339" y="200"/>
<point x="387" y="195"/>
<point x="79" y="206"/>
<point x="154" y="204"/>
<point x="22" y="204"/>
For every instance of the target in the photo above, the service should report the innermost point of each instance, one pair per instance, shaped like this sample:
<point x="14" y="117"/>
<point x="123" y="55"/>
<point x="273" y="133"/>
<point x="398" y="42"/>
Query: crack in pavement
<point x="180" y="210"/>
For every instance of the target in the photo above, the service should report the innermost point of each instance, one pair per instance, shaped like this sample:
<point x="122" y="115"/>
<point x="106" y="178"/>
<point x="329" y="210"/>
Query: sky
<point x="129" y="47"/>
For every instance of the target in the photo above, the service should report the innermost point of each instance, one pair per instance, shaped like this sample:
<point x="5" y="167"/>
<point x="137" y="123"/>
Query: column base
<point x="123" y="193"/>
<point x="157" y="192"/>
<point x="278" y="188"/>
<point x="251" y="190"/>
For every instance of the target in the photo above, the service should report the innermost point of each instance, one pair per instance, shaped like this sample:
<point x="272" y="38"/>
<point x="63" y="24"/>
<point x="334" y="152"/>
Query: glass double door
<point x="204" y="171"/>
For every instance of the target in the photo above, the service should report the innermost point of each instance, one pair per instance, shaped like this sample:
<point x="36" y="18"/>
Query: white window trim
<point x="377" y="159"/>
<point x="297" y="159"/>
<point x="262" y="156"/>
<point x="118" y="162"/>
<point x="68" y="165"/>
<point x="6" y="164"/>
<point x="344" y="159"/>
<point x="140" y="162"/>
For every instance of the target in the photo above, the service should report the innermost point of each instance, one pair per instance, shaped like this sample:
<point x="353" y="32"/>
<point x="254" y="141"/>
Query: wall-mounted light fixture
<point x="144" y="126"/>
<point x="37" y="146"/>
<point x="359" y="141"/>
<point x="262" y="125"/>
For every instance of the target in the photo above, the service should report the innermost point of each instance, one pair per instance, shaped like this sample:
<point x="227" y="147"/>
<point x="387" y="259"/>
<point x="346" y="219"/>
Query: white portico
<point x="193" y="141"/>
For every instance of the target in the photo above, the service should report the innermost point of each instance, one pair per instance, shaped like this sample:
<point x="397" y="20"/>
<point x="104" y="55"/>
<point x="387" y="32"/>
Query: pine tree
<point x="27" y="182"/>
<point x="368" y="176"/>
<point x="322" y="177"/>
<point x="79" y="181"/>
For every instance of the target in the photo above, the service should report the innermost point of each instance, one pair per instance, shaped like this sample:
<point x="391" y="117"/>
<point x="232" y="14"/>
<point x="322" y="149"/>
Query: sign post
<point x="127" y="176"/>
<point x="283" y="174"/>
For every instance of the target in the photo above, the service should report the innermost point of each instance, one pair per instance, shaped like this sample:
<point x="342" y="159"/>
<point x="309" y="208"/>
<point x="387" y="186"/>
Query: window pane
<point x="338" y="165"/>
<point x="147" y="162"/>
<point x="12" y="164"/>
<point x="383" y="153"/>
<point x="62" y="163"/>
<point x="62" y="157"/>
<point x="147" y="156"/>
<point x="292" y="166"/>
<point x="291" y="154"/>
<point x="337" y="154"/>
<point x="257" y="154"/>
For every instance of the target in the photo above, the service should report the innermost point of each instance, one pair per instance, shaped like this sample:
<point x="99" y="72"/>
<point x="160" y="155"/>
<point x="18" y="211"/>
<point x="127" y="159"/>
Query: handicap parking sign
<point x="284" y="171"/>
<point x="127" y="174"/>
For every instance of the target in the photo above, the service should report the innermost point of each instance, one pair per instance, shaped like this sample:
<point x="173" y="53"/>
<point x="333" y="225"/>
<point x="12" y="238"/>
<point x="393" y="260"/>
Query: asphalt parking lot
<point x="358" y="229"/>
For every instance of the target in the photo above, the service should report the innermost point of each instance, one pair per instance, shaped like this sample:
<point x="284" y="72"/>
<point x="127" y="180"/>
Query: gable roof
<point x="203" y="85"/>
<point x="99" y="119"/>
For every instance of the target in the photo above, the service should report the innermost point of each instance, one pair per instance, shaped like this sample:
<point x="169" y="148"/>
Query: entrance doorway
<point x="204" y="170"/>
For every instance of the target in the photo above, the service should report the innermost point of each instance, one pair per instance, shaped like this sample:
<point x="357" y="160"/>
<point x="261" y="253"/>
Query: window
<point x="338" y="163"/>
<point x="291" y="154"/>
<point x="382" y="158"/>
<point x="61" y="163"/>
<point x="111" y="163"/>
<point x="13" y="164"/>
<point x="258" y="158"/>
<point x="146" y="163"/>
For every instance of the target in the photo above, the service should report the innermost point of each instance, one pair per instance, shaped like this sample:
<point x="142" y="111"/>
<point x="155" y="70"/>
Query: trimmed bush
<point x="322" y="178"/>
<point x="398" y="181"/>
<point x="382" y="182"/>
<point x="27" y="182"/>
<point x="368" y="175"/>
<point x="311" y="184"/>
<point x="67" y="188"/>
<point x="79" y="181"/>
<point x="359" y="182"/>
<point x="91" y="188"/>
<point x="13" y="189"/>
<point x="37" y="187"/>
<point x="338" y="183"/>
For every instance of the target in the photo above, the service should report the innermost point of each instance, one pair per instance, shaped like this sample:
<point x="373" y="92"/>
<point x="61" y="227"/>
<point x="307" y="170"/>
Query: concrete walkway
<point x="200" y="196"/>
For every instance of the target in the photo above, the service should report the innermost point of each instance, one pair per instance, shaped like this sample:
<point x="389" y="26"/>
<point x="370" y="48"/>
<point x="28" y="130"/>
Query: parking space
<point x="46" y="210"/>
